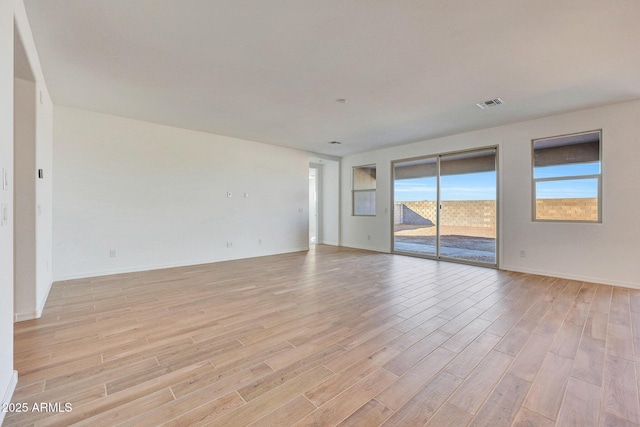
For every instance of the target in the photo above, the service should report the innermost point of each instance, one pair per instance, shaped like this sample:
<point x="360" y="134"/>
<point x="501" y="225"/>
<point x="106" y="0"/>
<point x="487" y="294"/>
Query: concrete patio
<point x="477" y="244"/>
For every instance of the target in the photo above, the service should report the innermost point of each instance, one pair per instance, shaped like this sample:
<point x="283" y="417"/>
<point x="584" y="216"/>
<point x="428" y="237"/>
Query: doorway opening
<point x="445" y="206"/>
<point x="313" y="206"/>
<point x="24" y="180"/>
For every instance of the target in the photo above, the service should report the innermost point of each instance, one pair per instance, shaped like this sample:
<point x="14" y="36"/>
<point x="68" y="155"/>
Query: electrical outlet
<point x="523" y="254"/>
<point x="368" y="237"/>
<point x="229" y="194"/>
<point x="229" y="244"/>
<point x="246" y="195"/>
<point x="113" y="253"/>
<point x="259" y="241"/>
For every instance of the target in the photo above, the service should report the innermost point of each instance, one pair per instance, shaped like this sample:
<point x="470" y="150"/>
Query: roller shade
<point x="364" y="178"/>
<point x="584" y="148"/>
<point x="458" y="164"/>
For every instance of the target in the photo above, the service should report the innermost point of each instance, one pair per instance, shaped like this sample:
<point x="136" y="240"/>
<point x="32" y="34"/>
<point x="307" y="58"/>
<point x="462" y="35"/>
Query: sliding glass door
<point x="468" y="206"/>
<point x="445" y="206"/>
<point x="415" y="215"/>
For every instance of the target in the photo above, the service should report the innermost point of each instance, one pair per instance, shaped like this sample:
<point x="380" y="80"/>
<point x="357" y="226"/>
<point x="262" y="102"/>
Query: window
<point x="364" y="190"/>
<point x="567" y="178"/>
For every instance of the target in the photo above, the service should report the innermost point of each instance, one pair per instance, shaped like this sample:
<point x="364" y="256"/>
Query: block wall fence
<point x="482" y="213"/>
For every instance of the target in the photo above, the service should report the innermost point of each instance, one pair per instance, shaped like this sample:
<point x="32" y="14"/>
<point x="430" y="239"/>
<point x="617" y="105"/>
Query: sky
<point x="482" y="186"/>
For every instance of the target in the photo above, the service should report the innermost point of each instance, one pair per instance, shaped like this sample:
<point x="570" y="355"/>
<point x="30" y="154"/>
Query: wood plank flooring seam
<point x="570" y="369"/>
<point x="280" y="323"/>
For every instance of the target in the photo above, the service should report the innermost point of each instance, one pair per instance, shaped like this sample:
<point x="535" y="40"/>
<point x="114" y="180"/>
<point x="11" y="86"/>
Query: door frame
<point x="437" y="156"/>
<point x="318" y="174"/>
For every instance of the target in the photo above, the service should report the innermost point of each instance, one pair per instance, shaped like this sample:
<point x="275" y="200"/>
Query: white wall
<point x="25" y="198"/>
<point x="604" y="253"/>
<point x="10" y="12"/>
<point x="44" y="196"/>
<point x="33" y="199"/>
<point x="330" y="208"/>
<point x="7" y="375"/>
<point x="328" y="169"/>
<point x="314" y="202"/>
<point x="33" y="145"/>
<point x="158" y="196"/>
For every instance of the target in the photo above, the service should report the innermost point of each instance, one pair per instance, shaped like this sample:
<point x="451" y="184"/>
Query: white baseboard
<point x="329" y="242"/>
<point x="8" y="394"/>
<point x="365" y="248"/>
<point x="137" y="269"/>
<point x="33" y="314"/>
<point x="599" y="280"/>
<point x="43" y="301"/>
<point x="28" y="315"/>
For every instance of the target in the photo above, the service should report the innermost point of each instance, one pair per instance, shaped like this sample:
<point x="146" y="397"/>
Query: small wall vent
<point x="335" y="142"/>
<point x="490" y="103"/>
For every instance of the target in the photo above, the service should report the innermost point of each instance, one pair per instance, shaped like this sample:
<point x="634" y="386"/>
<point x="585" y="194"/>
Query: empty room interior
<point x="319" y="213"/>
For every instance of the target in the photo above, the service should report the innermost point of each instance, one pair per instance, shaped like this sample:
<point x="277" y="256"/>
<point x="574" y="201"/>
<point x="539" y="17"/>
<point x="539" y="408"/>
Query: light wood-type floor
<point x="332" y="337"/>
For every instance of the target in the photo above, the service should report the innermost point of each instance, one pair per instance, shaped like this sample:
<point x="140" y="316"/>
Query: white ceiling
<point x="271" y="70"/>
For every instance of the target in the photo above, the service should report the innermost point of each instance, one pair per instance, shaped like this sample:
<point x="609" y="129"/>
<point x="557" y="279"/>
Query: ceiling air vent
<point x="490" y="103"/>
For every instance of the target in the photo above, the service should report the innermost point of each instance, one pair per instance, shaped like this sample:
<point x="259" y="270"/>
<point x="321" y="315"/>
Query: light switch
<point x="4" y="214"/>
